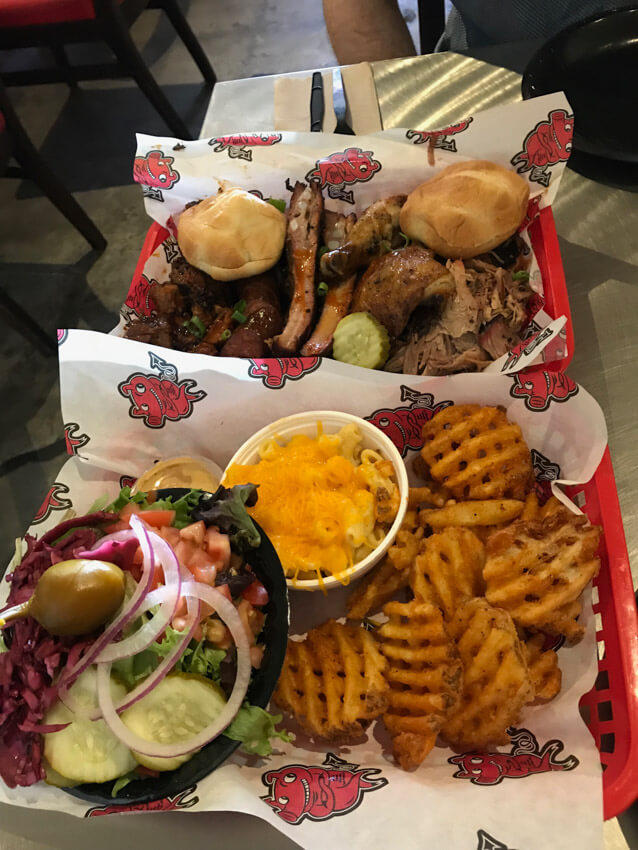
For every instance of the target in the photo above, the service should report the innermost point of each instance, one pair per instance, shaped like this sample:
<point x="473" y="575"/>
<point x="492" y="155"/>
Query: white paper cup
<point x="332" y="421"/>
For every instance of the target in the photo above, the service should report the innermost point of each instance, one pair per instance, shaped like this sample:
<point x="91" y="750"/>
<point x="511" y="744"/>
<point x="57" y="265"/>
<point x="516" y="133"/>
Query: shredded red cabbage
<point x="34" y="657"/>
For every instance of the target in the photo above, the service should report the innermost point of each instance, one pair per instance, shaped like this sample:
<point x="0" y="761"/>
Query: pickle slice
<point x="175" y="710"/>
<point x="361" y="340"/>
<point x="87" y="750"/>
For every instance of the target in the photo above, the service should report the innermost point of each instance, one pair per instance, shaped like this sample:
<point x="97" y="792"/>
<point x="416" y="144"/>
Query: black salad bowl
<point x="268" y="569"/>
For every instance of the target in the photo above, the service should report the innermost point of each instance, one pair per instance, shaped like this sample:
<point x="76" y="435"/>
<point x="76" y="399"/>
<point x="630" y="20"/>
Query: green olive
<point x="77" y="597"/>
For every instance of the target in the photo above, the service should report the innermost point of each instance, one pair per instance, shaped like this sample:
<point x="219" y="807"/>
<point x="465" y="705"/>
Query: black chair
<point x="53" y="25"/>
<point x="431" y="23"/>
<point x="15" y="143"/>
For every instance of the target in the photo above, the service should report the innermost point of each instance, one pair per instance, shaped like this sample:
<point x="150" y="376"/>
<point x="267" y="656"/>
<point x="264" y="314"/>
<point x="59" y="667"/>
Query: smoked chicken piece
<point x="376" y="231"/>
<point x="336" y="228"/>
<point x="394" y="285"/>
<point x="302" y="242"/>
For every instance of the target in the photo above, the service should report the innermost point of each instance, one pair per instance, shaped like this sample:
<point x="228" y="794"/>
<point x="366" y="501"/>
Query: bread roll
<point x="232" y="235"/>
<point x="468" y="208"/>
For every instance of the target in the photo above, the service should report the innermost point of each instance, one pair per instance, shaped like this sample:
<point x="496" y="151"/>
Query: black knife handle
<point x="316" y="103"/>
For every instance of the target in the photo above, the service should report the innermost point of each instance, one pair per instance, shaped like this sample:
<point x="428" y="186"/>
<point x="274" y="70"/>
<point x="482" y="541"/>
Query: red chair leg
<point x="184" y="31"/>
<point x="119" y="39"/>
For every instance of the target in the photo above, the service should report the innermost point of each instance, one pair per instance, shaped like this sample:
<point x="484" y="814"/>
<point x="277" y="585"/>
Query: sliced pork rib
<point x="395" y="284"/>
<point x="302" y="241"/>
<point x="336" y="302"/>
<point x="376" y="230"/>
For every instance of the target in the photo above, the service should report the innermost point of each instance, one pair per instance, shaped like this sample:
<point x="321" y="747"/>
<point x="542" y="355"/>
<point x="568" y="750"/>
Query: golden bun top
<point x="232" y="235"/>
<point x="466" y="209"/>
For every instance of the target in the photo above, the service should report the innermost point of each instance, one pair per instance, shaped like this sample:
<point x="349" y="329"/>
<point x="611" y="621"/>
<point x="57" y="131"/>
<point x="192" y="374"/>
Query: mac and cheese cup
<point x="372" y="438"/>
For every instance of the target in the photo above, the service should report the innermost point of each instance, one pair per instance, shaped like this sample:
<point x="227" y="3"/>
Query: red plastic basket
<point x="544" y="240"/>
<point x="610" y="709"/>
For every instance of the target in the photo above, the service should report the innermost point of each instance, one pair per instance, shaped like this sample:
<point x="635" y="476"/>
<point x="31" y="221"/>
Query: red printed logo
<point x="549" y="143"/>
<point x="62" y="335"/>
<point x="540" y="389"/>
<point x="157" y="399"/>
<point x="275" y="371"/>
<point x="127" y="481"/>
<point x="298" y="792"/>
<point x="139" y="299"/>
<point x="53" y="501"/>
<point x="545" y="471"/>
<point x="404" y="425"/>
<point x="439" y="138"/>
<point x="74" y="440"/>
<point x="155" y="172"/>
<point x="524" y="348"/>
<point x="342" y="169"/>
<point x="168" y="804"/>
<point x="525" y="759"/>
<point x="238" y="146"/>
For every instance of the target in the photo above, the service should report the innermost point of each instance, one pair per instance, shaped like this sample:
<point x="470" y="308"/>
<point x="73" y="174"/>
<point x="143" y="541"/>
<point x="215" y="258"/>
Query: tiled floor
<point x="45" y="264"/>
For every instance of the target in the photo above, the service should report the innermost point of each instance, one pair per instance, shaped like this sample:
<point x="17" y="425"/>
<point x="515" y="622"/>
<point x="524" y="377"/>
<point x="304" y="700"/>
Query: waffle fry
<point x="424" y="677"/>
<point x="427" y="494"/>
<point x="477" y="453"/>
<point x="535" y="569"/>
<point x="333" y="681"/>
<point x="450" y="570"/>
<point x="405" y="547"/>
<point x="565" y="622"/>
<point x="375" y="589"/>
<point x="472" y="514"/>
<point x="496" y="682"/>
<point x="543" y="668"/>
<point x="533" y="509"/>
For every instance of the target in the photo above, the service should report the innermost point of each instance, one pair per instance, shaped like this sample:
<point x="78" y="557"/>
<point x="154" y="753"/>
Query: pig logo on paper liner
<point x="526" y="758"/>
<point x="403" y="425"/>
<point x="545" y="471"/>
<point x="549" y="143"/>
<point x="155" y="172"/>
<point x="524" y="348"/>
<point x="139" y="299"/>
<point x="487" y="842"/>
<point x="168" y="804"/>
<point x="439" y="138"/>
<point x="159" y="398"/>
<point x="239" y="146"/>
<point x="53" y="501"/>
<point x="127" y="481"/>
<point x="297" y="791"/>
<point x="275" y="371"/>
<point x="73" y="439"/>
<point x="342" y="169"/>
<point x="539" y="389"/>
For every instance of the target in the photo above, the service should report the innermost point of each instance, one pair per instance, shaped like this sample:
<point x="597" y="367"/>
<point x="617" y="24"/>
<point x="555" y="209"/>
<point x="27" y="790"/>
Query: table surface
<point x="596" y="227"/>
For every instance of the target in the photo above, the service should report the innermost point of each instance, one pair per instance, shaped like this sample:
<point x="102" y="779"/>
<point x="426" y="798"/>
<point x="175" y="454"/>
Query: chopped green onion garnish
<point x="322" y="288"/>
<point x="406" y="239"/>
<point x="385" y="247"/>
<point x="278" y="204"/>
<point x="240" y="306"/>
<point x="226" y="335"/>
<point x="323" y="250"/>
<point x="238" y="316"/>
<point x="522" y="275"/>
<point x="195" y="326"/>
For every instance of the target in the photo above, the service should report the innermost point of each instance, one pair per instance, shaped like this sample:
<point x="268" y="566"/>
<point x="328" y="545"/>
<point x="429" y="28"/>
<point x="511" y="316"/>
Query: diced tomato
<point x="138" y="557"/>
<point x="206" y="574"/>
<point x="170" y="534"/>
<point x="136" y="571"/>
<point x="194" y="532"/>
<point x="157" y="519"/>
<point x="118" y="525"/>
<point x="180" y="611"/>
<point x="255" y="593"/>
<point x="224" y="590"/>
<point x="218" y="547"/>
<point x="184" y="551"/>
<point x="256" y="655"/>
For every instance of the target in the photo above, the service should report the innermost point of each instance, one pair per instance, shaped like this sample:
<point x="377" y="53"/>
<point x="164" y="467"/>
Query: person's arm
<point x="367" y="30"/>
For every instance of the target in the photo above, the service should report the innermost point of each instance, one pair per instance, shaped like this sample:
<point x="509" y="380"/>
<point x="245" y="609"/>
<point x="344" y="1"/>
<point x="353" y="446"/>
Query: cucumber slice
<point x="361" y="340"/>
<point x="87" y="750"/>
<point x="52" y="777"/>
<point x="175" y="710"/>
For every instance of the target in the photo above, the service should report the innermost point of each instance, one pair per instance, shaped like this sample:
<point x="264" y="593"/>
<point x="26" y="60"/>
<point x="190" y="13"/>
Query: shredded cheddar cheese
<point x="323" y="502"/>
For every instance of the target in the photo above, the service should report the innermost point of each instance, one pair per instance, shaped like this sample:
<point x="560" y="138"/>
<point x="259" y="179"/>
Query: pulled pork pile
<point x="477" y="325"/>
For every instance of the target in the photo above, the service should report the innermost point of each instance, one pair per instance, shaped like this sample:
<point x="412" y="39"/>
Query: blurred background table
<point x="596" y="227"/>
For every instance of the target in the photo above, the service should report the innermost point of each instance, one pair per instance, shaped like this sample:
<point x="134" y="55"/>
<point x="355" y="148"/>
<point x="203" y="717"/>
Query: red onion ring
<point x="229" y="615"/>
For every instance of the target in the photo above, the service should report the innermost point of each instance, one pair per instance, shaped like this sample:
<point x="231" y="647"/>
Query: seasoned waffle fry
<point x="496" y="682"/>
<point x="375" y="589"/>
<point x="450" y="570"/>
<point x="535" y="569"/>
<point x="565" y="622"/>
<point x="533" y="510"/>
<point x="424" y="677"/>
<point x="332" y="682"/>
<point x="543" y="668"/>
<point x="470" y="514"/>
<point x="404" y="550"/>
<point x="430" y="494"/>
<point x="484" y="532"/>
<point x="477" y="453"/>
